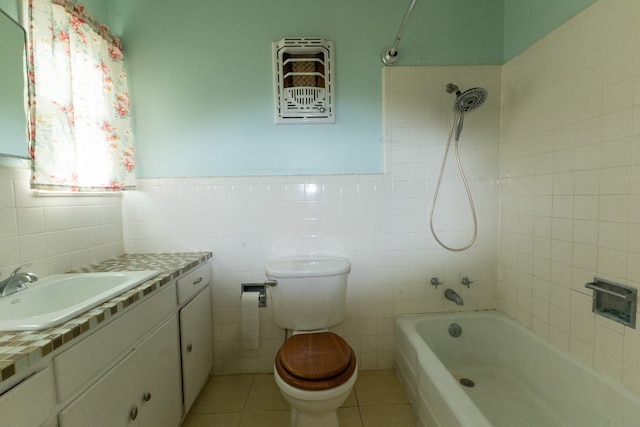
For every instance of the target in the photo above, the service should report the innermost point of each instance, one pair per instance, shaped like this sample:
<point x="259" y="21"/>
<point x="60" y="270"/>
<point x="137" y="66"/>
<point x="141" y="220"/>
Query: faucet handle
<point x="435" y="282"/>
<point x="17" y="270"/>
<point x="466" y="282"/>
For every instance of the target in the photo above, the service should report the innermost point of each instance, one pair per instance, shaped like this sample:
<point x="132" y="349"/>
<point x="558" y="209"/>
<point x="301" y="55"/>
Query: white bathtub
<point x="519" y="379"/>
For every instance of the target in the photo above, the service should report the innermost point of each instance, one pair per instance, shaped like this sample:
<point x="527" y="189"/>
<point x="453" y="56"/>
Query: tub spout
<point x="453" y="296"/>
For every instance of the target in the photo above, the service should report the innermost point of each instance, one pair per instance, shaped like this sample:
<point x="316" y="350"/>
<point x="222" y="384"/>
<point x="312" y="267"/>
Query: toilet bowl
<point x="315" y="369"/>
<point x="315" y="373"/>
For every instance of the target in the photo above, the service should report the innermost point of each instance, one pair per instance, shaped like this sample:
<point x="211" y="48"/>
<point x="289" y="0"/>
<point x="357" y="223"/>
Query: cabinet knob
<point x="147" y="396"/>
<point x="189" y="347"/>
<point x="134" y="413"/>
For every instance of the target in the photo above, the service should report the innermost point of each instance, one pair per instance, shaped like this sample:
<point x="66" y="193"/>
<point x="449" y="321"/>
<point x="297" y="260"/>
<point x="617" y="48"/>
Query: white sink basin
<point x="60" y="297"/>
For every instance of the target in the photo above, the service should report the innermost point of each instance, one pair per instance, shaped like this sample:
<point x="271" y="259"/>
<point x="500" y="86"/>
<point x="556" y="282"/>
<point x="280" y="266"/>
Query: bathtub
<point x="519" y="380"/>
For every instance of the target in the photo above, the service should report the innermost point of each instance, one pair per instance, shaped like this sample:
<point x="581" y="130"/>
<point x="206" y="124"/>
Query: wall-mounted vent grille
<point x="303" y="84"/>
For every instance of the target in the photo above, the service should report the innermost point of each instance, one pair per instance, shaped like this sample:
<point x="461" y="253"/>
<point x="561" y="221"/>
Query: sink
<point x="60" y="297"/>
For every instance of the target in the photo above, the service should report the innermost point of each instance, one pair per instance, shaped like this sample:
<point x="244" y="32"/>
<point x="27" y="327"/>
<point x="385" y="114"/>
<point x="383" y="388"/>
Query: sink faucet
<point x="453" y="296"/>
<point x="16" y="281"/>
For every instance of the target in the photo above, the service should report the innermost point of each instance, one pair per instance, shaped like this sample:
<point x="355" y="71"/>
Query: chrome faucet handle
<point x="435" y="282"/>
<point x="17" y="270"/>
<point x="17" y="281"/>
<point x="466" y="282"/>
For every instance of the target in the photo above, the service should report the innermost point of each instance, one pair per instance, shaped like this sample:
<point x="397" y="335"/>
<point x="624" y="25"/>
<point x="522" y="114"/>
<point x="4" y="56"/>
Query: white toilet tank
<point x="310" y="293"/>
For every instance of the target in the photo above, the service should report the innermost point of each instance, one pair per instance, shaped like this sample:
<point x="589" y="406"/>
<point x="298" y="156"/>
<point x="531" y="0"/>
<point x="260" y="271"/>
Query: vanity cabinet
<point x="127" y="372"/>
<point x="143" y="367"/>
<point x="195" y="332"/>
<point x="143" y="389"/>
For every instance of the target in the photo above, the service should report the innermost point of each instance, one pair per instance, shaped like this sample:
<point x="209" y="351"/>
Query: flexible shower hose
<point x="466" y="186"/>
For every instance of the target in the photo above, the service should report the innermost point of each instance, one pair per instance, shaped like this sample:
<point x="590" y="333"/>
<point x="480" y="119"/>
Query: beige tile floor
<point x="378" y="399"/>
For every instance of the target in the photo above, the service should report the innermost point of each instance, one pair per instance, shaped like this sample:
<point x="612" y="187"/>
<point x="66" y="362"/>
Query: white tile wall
<point x="569" y="156"/>
<point x="378" y="221"/>
<point x="569" y="200"/>
<point x="567" y="113"/>
<point x="55" y="233"/>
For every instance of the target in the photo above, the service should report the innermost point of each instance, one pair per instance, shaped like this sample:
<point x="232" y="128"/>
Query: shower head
<point x="465" y="101"/>
<point x="469" y="99"/>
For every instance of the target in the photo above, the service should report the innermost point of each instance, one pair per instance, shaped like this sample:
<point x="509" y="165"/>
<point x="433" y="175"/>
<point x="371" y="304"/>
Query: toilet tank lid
<point x="313" y="266"/>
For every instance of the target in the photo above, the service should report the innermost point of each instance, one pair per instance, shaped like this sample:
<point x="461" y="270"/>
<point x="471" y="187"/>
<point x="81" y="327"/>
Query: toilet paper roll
<point x="250" y="320"/>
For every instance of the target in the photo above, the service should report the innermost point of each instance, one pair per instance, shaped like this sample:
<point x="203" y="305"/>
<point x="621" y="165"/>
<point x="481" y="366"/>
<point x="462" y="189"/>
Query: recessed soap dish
<point x="614" y="301"/>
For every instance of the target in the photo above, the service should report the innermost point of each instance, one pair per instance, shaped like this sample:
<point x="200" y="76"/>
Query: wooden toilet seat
<point x="315" y="361"/>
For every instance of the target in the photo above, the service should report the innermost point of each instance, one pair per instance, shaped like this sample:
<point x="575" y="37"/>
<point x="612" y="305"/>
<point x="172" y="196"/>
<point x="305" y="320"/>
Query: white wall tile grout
<point x="577" y="130"/>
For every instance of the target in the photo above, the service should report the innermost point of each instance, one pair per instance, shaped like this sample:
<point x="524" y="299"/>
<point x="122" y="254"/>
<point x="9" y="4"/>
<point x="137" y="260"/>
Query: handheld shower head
<point x="470" y="99"/>
<point x="465" y="101"/>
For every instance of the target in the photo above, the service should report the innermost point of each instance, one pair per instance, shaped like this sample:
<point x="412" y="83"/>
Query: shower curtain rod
<point x="390" y="56"/>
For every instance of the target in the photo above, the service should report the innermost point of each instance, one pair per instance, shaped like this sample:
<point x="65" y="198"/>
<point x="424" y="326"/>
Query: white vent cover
<point x="303" y="85"/>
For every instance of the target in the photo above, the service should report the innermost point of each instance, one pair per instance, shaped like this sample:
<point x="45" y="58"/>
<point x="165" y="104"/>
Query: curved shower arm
<point x="390" y="56"/>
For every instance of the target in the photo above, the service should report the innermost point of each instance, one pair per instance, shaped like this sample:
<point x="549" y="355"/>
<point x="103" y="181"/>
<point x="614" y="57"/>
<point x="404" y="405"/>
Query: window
<point x="80" y="135"/>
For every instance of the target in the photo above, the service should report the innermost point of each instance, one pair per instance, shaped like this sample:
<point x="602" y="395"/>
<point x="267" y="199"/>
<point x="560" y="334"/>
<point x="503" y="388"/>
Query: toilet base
<point x="306" y="419"/>
<point x="315" y="408"/>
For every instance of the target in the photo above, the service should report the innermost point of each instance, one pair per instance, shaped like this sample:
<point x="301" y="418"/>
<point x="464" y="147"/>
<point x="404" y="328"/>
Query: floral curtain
<point x="80" y="135"/>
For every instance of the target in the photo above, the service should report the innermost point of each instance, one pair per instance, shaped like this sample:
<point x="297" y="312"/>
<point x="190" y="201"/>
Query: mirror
<point x="13" y="124"/>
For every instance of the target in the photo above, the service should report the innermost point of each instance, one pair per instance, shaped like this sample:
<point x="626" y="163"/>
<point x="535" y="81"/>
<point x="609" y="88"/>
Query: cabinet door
<point x="158" y="365"/>
<point x="108" y="402"/>
<point x="197" y="347"/>
<point x="143" y="389"/>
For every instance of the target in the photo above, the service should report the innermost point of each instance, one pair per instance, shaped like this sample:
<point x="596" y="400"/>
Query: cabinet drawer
<point x="83" y="361"/>
<point x="192" y="282"/>
<point x="17" y="405"/>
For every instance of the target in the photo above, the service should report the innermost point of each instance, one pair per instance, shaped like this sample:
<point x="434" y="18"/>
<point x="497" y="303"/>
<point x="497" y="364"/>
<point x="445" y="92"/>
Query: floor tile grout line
<point x="246" y="398"/>
<point x="355" y="394"/>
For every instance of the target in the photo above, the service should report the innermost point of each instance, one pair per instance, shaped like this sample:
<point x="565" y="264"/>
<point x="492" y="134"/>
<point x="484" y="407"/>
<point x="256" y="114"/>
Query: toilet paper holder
<point x="257" y="287"/>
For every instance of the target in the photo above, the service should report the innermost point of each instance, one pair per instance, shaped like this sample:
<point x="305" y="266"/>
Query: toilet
<point x="315" y="369"/>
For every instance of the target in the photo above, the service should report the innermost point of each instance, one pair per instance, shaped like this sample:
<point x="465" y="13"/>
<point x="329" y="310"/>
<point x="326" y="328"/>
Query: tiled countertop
<point x="21" y="349"/>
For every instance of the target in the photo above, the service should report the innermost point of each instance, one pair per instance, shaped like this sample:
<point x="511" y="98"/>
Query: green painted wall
<point x="201" y="78"/>
<point x="11" y="8"/>
<point x="98" y="8"/>
<point x="527" y="21"/>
